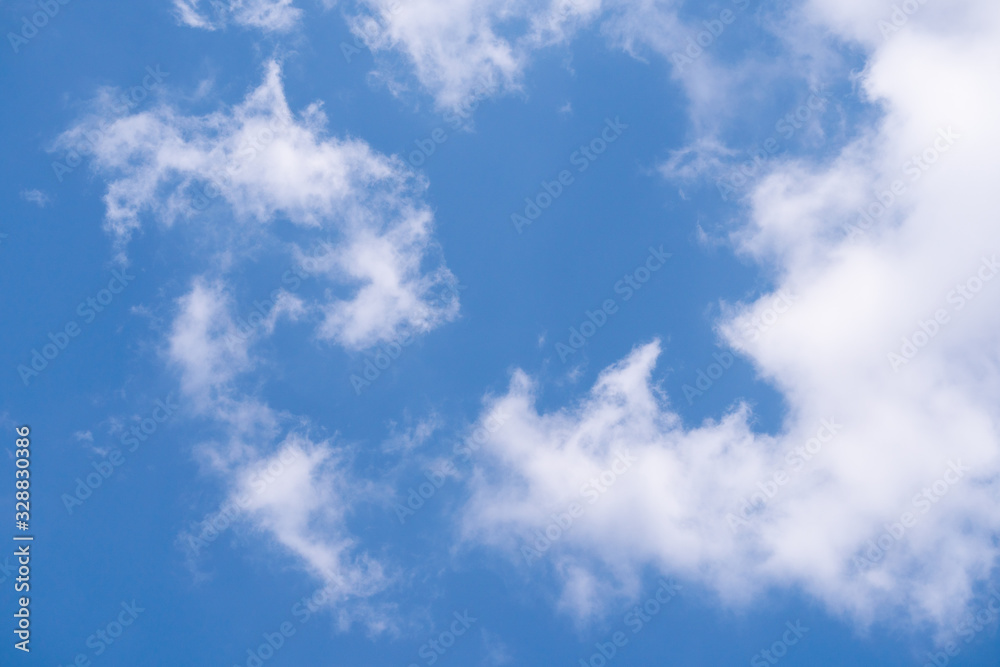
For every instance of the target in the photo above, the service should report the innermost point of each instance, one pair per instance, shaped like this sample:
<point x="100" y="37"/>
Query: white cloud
<point x="459" y="49"/>
<point x="371" y="245"/>
<point x="907" y="420"/>
<point x="462" y="50"/>
<point x="288" y="487"/>
<point x="204" y="341"/>
<point x="265" y="163"/>
<point x="677" y="506"/>
<point x="36" y="197"/>
<point x="300" y="495"/>
<point x="266" y="15"/>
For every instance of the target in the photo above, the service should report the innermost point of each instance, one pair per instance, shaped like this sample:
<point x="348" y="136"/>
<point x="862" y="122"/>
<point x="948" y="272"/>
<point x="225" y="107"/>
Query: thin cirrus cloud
<point x="887" y="255"/>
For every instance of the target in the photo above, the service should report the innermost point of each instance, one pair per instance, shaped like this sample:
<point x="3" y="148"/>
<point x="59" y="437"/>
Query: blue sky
<point x="324" y="359"/>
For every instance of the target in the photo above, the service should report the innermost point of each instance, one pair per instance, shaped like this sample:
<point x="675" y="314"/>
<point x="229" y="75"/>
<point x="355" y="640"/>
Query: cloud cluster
<point x="363" y="231"/>
<point x="887" y="356"/>
<point x="280" y="481"/>
<point x="891" y="249"/>
<point x="363" y="209"/>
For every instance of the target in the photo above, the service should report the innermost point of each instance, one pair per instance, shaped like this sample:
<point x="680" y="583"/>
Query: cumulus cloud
<point x="882" y="327"/>
<point x="600" y="490"/>
<point x="265" y="15"/>
<point x="362" y="208"/>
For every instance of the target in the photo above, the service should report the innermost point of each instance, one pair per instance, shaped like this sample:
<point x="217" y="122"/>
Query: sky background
<point x="393" y="586"/>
